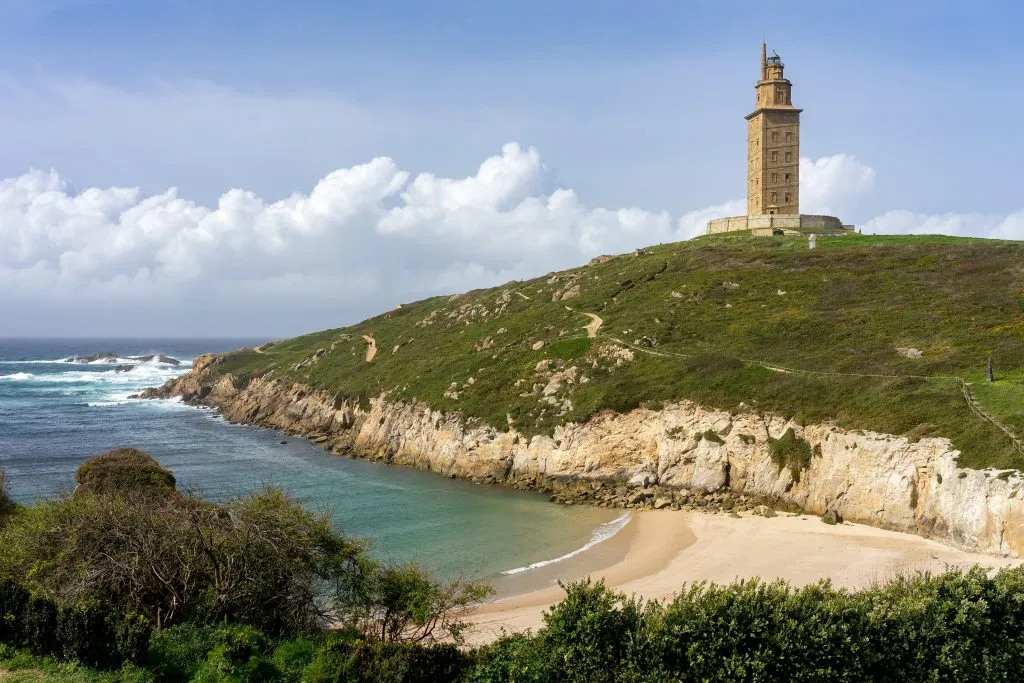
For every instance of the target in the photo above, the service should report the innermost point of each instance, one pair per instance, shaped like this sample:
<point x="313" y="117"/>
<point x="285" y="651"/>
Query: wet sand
<point x="660" y="551"/>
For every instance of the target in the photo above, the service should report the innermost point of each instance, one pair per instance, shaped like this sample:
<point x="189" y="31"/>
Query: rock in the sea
<point x="109" y="357"/>
<point x="282" y="442"/>
<point x="123" y="368"/>
<point x="832" y="517"/>
<point x="104" y="355"/>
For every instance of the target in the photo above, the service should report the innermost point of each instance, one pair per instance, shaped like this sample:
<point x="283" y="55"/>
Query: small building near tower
<point x="773" y="163"/>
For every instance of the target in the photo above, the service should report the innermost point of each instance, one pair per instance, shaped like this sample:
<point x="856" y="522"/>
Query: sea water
<point x="55" y="413"/>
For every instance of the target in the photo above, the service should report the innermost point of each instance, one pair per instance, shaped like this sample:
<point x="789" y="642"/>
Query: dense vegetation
<point x="261" y="590"/>
<point x="127" y="568"/>
<point x="696" y="319"/>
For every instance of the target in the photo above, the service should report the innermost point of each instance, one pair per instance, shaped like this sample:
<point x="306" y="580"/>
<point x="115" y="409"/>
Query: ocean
<point x="54" y="414"/>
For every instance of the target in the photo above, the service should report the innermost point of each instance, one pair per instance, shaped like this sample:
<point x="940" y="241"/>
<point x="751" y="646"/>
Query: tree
<point x="404" y="604"/>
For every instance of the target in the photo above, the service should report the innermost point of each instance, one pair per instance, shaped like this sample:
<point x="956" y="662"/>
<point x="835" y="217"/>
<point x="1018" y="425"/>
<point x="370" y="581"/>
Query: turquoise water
<point x="55" y="414"/>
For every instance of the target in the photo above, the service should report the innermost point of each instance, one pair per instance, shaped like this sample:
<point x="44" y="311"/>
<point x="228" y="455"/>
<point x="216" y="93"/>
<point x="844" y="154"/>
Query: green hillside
<point x="694" y="320"/>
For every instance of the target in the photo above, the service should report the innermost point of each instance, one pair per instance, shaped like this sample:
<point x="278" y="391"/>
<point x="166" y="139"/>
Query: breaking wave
<point x="601" y="534"/>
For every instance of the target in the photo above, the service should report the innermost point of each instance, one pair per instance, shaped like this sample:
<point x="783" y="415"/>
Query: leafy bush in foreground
<point x="259" y="611"/>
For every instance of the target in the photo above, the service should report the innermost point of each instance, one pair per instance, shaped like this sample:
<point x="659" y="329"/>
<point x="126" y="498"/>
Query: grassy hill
<point x="696" y="320"/>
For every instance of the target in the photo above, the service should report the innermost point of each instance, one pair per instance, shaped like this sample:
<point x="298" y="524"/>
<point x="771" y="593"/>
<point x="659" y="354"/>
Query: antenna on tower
<point x="764" y="61"/>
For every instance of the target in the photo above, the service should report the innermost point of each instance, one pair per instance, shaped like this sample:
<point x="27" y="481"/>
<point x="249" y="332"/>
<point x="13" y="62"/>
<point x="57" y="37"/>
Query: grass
<point x="845" y="307"/>
<point x="18" y="666"/>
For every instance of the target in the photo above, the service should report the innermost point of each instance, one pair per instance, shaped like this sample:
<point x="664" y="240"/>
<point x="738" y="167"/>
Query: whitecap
<point x="18" y="377"/>
<point x="600" y="535"/>
<point x="28" y="362"/>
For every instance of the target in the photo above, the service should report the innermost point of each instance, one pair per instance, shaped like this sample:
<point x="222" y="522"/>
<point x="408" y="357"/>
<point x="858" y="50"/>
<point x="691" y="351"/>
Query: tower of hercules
<point x="773" y="144"/>
<point x="773" y="164"/>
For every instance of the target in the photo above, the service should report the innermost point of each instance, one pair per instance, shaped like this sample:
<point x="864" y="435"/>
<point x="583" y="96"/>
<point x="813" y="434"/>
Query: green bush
<point x="240" y="654"/>
<point x="712" y="436"/>
<point x="7" y="505"/>
<point x="371" y="661"/>
<point x="124" y="470"/>
<point x="593" y="633"/>
<point x="958" y="626"/>
<point x="790" y="451"/>
<point x="515" y="658"/>
<point x="292" y="657"/>
<point x="176" y="653"/>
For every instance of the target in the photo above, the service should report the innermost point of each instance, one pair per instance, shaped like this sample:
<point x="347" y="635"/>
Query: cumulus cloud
<point x="364" y="238"/>
<point x="369" y="230"/>
<point x="831" y="186"/>
<point x="996" y="226"/>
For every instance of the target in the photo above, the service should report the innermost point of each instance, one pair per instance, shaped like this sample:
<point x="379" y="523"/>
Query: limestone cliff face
<point x="877" y="479"/>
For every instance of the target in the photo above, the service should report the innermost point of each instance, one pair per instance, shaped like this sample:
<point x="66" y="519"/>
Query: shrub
<point x="176" y="653"/>
<point x="240" y="654"/>
<point x="124" y="470"/>
<point x="593" y="632"/>
<point x="260" y="559"/>
<point x="372" y="661"/>
<point x="712" y="436"/>
<point x="292" y="657"/>
<point x="403" y="603"/>
<point x="7" y="506"/>
<point x="515" y="658"/>
<point x="790" y="451"/>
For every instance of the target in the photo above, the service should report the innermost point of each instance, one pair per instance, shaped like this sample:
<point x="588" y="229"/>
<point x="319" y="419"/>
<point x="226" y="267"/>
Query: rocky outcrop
<point x="678" y="456"/>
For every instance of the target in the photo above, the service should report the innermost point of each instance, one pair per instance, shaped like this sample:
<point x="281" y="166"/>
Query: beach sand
<point x="658" y="552"/>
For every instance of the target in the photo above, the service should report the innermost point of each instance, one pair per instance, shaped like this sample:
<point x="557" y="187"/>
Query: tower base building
<point x="773" y="164"/>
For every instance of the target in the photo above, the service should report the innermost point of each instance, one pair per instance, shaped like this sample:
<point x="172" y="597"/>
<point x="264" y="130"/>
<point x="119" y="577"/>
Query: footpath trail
<point x="594" y="326"/>
<point x="371" y="349"/>
<point x="965" y="387"/>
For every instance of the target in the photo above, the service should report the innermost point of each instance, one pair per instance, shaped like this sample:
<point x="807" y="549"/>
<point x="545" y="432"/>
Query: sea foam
<point x="17" y="377"/>
<point x="601" y="534"/>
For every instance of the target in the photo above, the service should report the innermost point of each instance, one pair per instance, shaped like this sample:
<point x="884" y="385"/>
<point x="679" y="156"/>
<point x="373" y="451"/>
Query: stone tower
<point x="773" y="144"/>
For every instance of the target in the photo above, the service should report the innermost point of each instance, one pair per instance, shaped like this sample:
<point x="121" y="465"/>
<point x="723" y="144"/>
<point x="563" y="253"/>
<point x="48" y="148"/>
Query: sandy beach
<point x="657" y="552"/>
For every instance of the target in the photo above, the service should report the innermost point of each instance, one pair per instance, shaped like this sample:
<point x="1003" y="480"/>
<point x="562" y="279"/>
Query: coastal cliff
<point x="649" y="457"/>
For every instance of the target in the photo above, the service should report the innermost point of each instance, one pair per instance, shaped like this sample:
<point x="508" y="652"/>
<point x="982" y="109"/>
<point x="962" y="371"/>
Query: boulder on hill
<point x="124" y="470"/>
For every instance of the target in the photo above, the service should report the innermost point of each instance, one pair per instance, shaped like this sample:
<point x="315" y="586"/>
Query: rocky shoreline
<point x="680" y="457"/>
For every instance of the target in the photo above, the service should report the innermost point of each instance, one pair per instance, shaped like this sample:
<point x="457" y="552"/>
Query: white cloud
<point x="997" y="226"/>
<point x="364" y="238"/>
<point x="832" y="185"/>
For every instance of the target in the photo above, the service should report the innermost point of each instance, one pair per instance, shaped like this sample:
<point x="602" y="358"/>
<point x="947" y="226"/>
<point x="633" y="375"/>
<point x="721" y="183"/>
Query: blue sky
<point x="629" y="104"/>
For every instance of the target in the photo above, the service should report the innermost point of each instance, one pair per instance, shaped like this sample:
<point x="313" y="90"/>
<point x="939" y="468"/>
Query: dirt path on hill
<point x="594" y="326"/>
<point x="371" y="349"/>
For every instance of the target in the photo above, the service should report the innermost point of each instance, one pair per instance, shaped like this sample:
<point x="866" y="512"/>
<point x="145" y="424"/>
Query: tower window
<point x="775" y="197"/>
<point x="789" y="156"/>
<point x="787" y="198"/>
<point x="787" y="177"/>
<point x="775" y="156"/>
<point x="775" y="177"/>
<point x="775" y="136"/>
<point x="789" y="136"/>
